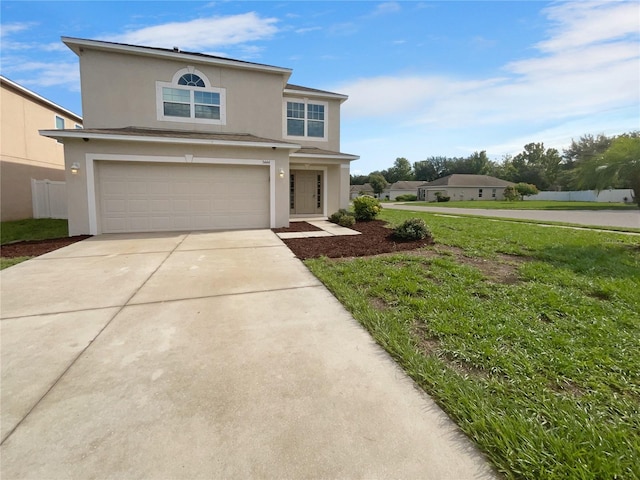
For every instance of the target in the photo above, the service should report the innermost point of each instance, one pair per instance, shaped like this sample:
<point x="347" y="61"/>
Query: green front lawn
<point x="528" y="337"/>
<point x="32" y="229"/>
<point x="529" y="205"/>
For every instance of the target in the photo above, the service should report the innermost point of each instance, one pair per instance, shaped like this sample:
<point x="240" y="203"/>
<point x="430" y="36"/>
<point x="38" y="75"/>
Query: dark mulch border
<point x="297" y="227"/>
<point x="33" y="248"/>
<point x="376" y="238"/>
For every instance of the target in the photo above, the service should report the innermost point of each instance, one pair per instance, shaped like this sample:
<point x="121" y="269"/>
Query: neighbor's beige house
<point x="403" y="187"/>
<point x="24" y="153"/>
<point x="464" y="187"/>
<point x="177" y="140"/>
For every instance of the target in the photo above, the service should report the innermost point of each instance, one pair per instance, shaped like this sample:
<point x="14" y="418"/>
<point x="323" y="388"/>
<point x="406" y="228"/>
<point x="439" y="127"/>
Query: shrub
<point x="412" y="229"/>
<point x="443" y="198"/>
<point x="510" y="193"/>
<point x="343" y="218"/>
<point x="407" y="197"/>
<point x="366" y="208"/>
<point x="347" y="221"/>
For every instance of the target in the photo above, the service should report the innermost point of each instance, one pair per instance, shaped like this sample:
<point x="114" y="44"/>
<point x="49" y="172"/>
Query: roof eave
<point x="80" y="134"/>
<point x="305" y="93"/>
<point x="77" y="44"/>
<point x="342" y="156"/>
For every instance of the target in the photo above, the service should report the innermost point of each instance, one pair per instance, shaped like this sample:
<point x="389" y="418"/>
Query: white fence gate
<point x="49" y="199"/>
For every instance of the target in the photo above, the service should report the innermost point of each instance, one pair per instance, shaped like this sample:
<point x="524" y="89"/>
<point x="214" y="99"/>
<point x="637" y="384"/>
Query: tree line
<point x="592" y="162"/>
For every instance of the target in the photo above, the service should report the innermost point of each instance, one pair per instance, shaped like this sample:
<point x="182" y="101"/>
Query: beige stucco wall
<point x="77" y="151"/>
<point x="119" y="90"/>
<point x="464" y="193"/>
<point x="24" y="153"/>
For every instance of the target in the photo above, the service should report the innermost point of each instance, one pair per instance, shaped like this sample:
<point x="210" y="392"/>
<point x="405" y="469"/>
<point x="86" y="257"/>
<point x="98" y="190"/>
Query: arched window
<point x="191" y="80"/>
<point x="190" y="98"/>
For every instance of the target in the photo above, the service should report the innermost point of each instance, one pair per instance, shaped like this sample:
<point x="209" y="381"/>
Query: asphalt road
<point x="600" y="218"/>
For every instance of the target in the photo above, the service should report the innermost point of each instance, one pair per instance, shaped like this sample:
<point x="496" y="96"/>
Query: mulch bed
<point x="33" y="248"/>
<point x="297" y="227"/>
<point x="376" y="238"/>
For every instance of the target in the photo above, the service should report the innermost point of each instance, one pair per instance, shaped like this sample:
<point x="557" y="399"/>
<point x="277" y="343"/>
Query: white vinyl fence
<point x="604" y="196"/>
<point x="49" y="199"/>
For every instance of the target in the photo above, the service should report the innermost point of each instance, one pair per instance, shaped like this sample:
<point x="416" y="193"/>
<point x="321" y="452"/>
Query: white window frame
<point x="306" y="102"/>
<point x="58" y="117"/>
<point x="192" y="118"/>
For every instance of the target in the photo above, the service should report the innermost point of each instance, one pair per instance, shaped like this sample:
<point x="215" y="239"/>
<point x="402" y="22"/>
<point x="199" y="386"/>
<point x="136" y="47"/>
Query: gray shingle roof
<point x="406" y="185"/>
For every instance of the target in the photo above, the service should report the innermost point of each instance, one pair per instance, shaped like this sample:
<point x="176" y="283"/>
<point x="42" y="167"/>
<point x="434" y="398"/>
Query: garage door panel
<point x="138" y="197"/>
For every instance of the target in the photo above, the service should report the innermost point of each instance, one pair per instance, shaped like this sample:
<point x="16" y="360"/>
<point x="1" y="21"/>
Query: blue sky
<point x="424" y="78"/>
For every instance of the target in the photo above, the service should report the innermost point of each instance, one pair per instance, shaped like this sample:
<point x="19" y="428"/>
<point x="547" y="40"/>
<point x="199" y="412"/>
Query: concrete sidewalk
<point x="203" y="355"/>
<point x="597" y="218"/>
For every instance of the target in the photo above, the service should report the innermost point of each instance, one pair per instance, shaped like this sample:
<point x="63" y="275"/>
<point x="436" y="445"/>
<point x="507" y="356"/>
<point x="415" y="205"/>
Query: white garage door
<point x="155" y="197"/>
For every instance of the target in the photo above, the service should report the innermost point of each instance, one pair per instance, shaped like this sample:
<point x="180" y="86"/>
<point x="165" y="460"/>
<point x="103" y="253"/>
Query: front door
<point x="306" y="192"/>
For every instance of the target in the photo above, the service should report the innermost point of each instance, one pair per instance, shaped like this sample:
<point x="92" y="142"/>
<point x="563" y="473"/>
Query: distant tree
<point x="478" y="163"/>
<point x="583" y="151"/>
<point x="617" y="167"/>
<point x="537" y="165"/>
<point x="378" y="183"/>
<point x="401" y="170"/>
<point x="526" y="189"/>
<point x="424" y="170"/>
<point x="359" y="179"/>
<point x="504" y="170"/>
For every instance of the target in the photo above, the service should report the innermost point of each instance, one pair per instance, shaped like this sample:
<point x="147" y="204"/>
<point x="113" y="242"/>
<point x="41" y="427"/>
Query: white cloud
<point x="386" y="8"/>
<point x="579" y="72"/>
<point x="578" y="24"/>
<point x="46" y="74"/>
<point x="203" y="33"/>
<point x="11" y="28"/>
<point x="308" y="29"/>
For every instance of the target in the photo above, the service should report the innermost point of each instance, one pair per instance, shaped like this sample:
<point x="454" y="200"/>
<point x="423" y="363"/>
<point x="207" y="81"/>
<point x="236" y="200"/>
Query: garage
<point x="153" y="197"/>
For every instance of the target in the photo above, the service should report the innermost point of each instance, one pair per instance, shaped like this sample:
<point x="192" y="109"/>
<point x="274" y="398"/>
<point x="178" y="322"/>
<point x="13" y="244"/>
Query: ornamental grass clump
<point x="412" y="229"/>
<point x="366" y="208"/>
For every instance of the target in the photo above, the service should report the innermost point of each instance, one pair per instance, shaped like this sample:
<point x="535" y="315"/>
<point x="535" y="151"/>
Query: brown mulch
<point x="33" y="248"/>
<point x="297" y="227"/>
<point x="376" y="238"/>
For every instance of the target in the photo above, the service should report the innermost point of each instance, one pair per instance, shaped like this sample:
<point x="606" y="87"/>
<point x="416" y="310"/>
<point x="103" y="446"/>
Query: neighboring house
<point x="24" y="154"/>
<point x="177" y="140"/>
<point x="403" y="187"/>
<point x="358" y="190"/>
<point x="464" y="187"/>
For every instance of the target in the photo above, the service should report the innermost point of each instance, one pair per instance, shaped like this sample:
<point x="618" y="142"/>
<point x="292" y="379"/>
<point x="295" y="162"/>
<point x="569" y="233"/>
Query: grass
<point x="10" y="262"/>
<point x="529" y="205"/>
<point x="528" y="337"/>
<point x="32" y="229"/>
<point x="29" y="229"/>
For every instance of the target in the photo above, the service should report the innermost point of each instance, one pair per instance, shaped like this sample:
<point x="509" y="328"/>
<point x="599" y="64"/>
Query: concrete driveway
<point x="203" y="355"/>
<point x="599" y="218"/>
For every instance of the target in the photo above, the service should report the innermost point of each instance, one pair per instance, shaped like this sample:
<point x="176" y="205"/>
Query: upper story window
<point x="306" y="119"/>
<point x="190" y="98"/>
<point x="59" y="123"/>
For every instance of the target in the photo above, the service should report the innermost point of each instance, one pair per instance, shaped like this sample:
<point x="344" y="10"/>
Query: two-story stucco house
<point x="24" y="154"/>
<point x="176" y="140"/>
